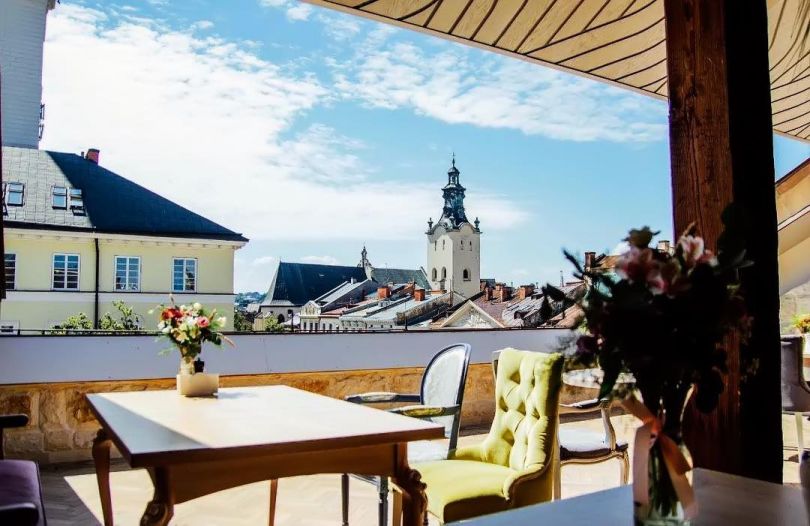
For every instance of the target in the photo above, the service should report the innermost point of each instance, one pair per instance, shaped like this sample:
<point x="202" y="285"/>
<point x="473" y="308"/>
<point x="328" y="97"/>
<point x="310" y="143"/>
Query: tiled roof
<point x="112" y="204"/>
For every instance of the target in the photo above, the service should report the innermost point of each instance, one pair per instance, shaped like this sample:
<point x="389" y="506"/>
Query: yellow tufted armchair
<point x="514" y="465"/>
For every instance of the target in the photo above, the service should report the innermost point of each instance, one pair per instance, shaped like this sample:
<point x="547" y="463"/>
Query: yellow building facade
<point x="33" y="303"/>
<point x="78" y="237"/>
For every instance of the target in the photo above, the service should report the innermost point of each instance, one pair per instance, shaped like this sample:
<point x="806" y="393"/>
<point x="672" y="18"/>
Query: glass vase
<point x="663" y="507"/>
<point x="187" y="355"/>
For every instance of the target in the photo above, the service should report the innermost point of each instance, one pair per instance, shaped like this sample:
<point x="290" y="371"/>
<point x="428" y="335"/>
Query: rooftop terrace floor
<point x="71" y="495"/>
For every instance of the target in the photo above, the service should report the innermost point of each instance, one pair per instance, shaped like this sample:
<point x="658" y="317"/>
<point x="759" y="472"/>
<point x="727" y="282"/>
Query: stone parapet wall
<point x="62" y="428"/>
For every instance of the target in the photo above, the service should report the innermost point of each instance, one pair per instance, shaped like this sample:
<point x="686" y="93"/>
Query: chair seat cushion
<point x="460" y="489"/>
<point x="19" y="484"/>
<point x="575" y="443"/>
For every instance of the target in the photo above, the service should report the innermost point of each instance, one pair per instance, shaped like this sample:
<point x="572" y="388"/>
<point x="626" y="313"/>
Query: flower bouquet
<point x="188" y="327"/>
<point x="662" y="318"/>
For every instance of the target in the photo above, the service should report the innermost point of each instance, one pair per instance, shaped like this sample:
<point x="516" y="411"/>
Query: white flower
<point x="222" y="320"/>
<point x="196" y="306"/>
<point x="191" y="321"/>
<point x="166" y="330"/>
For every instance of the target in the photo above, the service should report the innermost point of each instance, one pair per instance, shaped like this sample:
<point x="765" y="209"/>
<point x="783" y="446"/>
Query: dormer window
<point x="15" y="193"/>
<point x="59" y="198"/>
<point x="76" y="200"/>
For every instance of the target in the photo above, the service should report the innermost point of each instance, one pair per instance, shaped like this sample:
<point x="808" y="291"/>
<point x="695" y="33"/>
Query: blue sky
<point x="314" y="133"/>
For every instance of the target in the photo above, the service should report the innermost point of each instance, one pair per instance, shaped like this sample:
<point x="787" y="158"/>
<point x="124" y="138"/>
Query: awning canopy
<point x="617" y="41"/>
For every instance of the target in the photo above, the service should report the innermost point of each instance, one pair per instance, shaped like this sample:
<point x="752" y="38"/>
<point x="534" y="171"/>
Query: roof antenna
<point x="562" y="281"/>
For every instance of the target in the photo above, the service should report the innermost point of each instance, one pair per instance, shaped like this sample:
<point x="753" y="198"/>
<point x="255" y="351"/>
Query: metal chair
<point x="795" y="391"/>
<point x="439" y="400"/>
<point x="586" y="447"/>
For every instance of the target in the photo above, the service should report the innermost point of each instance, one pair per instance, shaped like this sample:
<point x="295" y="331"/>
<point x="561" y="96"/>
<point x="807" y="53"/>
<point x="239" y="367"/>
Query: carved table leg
<point x="414" y="499"/>
<point x="160" y="509"/>
<point x="101" y="458"/>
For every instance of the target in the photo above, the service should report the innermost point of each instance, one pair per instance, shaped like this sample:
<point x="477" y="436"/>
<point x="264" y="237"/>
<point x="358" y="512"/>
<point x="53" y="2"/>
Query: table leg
<point x="160" y="509"/>
<point x="101" y="458"/>
<point x="414" y="499"/>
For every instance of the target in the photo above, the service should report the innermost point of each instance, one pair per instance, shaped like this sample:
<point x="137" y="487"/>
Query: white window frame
<point x="8" y="193"/>
<point x="78" y="271"/>
<point x="63" y="195"/>
<point x="13" y="281"/>
<point x="9" y="327"/>
<point x="196" y="273"/>
<point x="75" y="199"/>
<point x="127" y="277"/>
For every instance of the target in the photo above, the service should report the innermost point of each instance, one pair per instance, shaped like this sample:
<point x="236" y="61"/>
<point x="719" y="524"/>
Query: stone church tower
<point x="454" y="248"/>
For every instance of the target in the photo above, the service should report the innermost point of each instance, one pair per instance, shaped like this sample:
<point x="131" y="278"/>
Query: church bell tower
<point x="453" y="243"/>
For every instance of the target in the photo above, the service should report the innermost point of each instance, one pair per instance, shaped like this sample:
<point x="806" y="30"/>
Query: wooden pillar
<point x="722" y="151"/>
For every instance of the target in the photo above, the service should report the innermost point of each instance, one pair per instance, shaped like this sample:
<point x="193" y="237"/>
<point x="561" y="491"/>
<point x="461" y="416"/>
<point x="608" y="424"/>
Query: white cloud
<point x="495" y="92"/>
<point x="253" y="274"/>
<point x="299" y="11"/>
<point x="294" y="9"/>
<point x="340" y="26"/>
<point x="214" y="127"/>
<point x="202" y="24"/>
<point x="321" y="260"/>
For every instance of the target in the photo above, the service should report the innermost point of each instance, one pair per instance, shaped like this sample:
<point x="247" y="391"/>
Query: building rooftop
<point x="296" y="283"/>
<point x="109" y="203"/>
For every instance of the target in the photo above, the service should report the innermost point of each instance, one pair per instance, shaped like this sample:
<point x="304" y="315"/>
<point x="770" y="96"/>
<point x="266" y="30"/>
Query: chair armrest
<point x="584" y="406"/>
<point x="9" y="421"/>
<point x="426" y="411"/>
<point x="534" y="471"/>
<point x="474" y="452"/>
<point x="22" y="514"/>
<point x="382" y="397"/>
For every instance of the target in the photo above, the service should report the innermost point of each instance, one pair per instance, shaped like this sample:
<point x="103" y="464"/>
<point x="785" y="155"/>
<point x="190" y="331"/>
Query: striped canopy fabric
<point x="617" y="41"/>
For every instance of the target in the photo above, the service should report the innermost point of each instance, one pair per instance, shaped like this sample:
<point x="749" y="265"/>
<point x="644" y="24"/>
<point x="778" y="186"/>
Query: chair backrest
<point x="795" y="392"/>
<point x="443" y="385"/>
<point x="527" y="398"/>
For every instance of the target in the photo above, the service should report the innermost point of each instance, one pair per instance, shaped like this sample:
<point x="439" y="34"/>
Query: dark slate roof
<point x="112" y="203"/>
<point x="399" y="275"/>
<point x="297" y="283"/>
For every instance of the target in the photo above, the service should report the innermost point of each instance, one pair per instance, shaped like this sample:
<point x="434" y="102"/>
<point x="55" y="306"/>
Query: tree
<point x="128" y="321"/>
<point x="271" y="324"/>
<point x="242" y="322"/>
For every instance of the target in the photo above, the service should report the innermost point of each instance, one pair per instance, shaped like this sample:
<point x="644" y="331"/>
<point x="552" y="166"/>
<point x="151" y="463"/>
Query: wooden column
<point x="722" y="151"/>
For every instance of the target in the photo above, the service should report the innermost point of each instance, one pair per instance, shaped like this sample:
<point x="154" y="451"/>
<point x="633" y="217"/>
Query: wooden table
<point x="196" y="446"/>
<point x="722" y="500"/>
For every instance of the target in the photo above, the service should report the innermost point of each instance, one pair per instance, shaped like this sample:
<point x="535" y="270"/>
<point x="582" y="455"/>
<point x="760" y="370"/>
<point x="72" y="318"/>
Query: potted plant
<point x="188" y="327"/>
<point x="661" y="320"/>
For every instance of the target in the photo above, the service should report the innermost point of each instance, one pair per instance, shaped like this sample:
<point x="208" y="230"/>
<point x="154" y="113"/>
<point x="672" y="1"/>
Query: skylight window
<point x="15" y="193"/>
<point x="76" y="199"/>
<point x="59" y="199"/>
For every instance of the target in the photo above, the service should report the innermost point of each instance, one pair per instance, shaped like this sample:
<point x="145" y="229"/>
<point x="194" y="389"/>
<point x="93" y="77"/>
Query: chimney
<point x="419" y="294"/>
<point x="525" y="291"/>
<point x="92" y="155"/>
<point x="590" y="259"/>
<point x="409" y="289"/>
<point x="488" y="293"/>
<point x="383" y="292"/>
<point x="663" y="246"/>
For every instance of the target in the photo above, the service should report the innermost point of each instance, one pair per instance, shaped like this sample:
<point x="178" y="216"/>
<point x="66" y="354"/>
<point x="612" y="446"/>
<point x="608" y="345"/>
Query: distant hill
<point x="242" y="299"/>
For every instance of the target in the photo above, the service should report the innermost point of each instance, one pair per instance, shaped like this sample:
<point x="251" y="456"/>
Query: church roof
<point x="297" y="283"/>
<point x="453" y="214"/>
<point x="399" y="275"/>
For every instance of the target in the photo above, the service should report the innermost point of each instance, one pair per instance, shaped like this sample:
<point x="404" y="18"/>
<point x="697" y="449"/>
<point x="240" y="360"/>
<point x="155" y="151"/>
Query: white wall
<point x="33" y="359"/>
<point x="22" y="33"/>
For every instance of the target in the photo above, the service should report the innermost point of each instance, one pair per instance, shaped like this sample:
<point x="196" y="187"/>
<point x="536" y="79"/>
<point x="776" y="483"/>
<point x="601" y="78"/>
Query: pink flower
<point x="638" y="266"/>
<point x="203" y="322"/>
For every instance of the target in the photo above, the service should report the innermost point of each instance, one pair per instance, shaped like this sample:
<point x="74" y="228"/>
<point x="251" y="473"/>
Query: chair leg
<point x="799" y="435"/>
<point x="396" y="519"/>
<point x="383" y="506"/>
<point x="273" y="493"/>
<point x="624" y="469"/>
<point x="344" y="497"/>
<point x="557" y="490"/>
